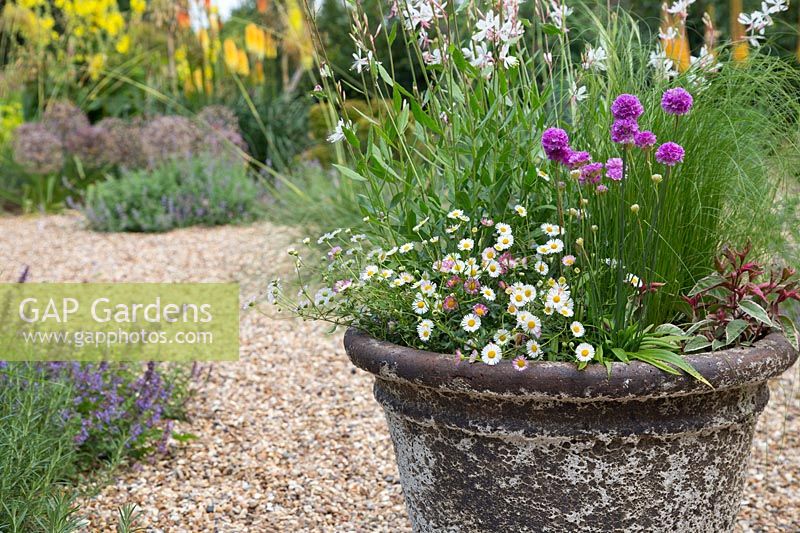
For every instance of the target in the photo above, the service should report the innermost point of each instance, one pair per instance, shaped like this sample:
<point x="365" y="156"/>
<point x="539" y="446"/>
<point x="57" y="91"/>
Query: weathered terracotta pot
<point x="552" y="448"/>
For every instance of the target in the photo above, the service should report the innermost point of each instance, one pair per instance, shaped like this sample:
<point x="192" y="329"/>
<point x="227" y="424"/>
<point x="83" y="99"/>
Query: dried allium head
<point x="168" y="137"/>
<point x="123" y="143"/>
<point x="37" y="149"/>
<point x="88" y="144"/>
<point x="63" y="118"/>
<point x="218" y="117"/>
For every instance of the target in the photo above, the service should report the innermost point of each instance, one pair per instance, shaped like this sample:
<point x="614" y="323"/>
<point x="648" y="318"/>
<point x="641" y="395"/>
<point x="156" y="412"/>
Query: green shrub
<point x="179" y="193"/>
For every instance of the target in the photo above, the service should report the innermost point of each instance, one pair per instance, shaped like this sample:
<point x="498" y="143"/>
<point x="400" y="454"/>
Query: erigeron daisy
<point x="472" y="271"/>
<point x="427" y="287"/>
<point x="424" y="330"/>
<point x="458" y="266"/>
<point x="584" y="352"/>
<point x="542" y="174"/>
<point x="387" y="273"/>
<point x="323" y="296"/>
<point x="502" y="337"/>
<point x="568" y="260"/>
<point x="455" y="214"/>
<point x="548" y="309"/>
<point x="552" y="230"/>
<point x="489" y="254"/>
<point x="504" y="242"/>
<point x="466" y="245"/>
<point x="541" y="267"/>
<point x="529" y="291"/>
<point x="577" y="329"/>
<point x="512" y="309"/>
<point x="488" y="293"/>
<point x="434" y="239"/>
<point x="567" y="310"/>
<point x="358" y="237"/>
<point x="420" y="306"/>
<point x="534" y="349"/>
<point x="521" y="211"/>
<point x="494" y="269"/>
<point x="480" y="310"/>
<point x="530" y="323"/>
<point x="542" y="249"/>
<point x="503" y="229"/>
<point x="517" y="297"/>
<point x="491" y="354"/>
<point x="407" y="247"/>
<point x="452" y="229"/>
<point x="520" y="363"/>
<point x="634" y="280"/>
<point x="391" y="251"/>
<point x="470" y="323"/>
<point x="369" y="272"/>
<point x="555" y="246"/>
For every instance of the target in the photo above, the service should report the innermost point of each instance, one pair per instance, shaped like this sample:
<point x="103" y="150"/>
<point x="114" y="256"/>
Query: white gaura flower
<point x="584" y="352"/>
<point x="369" y="272"/>
<point x="558" y="14"/>
<point x="471" y="322"/>
<point x="433" y="57"/>
<point x="668" y="33"/>
<point x="407" y="247"/>
<point x="509" y="61"/>
<point x="466" y="245"/>
<point x="541" y="267"/>
<point x="533" y="349"/>
<point x="425" y="330"/>
<point x="488" y="294"/>
<point x="493" y="269"/>
<point x="663" y="65"/>
<point x="579" y="94"/>
<point x="491" y="354"/>
<point x="502" y="228"/>
<point x="487" y="27"/>
<point x="554" y="246"/>
<point x="529" y="323"/>
<point x="502" y="337"/>
<point x="595" y="58"/>
<point x="577" y="329"/>
<point x="552" y="230"/>
<point x="362" y="63"/>
<point x="338" y="133"/>
<point x="521" y="211"/>
<point x="427" y="288"/>
<point x="504" y="242"/>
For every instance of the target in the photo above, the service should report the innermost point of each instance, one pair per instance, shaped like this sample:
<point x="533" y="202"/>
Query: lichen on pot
<point x="557" y="449"/>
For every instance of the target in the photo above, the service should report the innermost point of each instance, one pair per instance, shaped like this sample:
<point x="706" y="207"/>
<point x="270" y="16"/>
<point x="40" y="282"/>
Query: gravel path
<point x="289" y="437"/>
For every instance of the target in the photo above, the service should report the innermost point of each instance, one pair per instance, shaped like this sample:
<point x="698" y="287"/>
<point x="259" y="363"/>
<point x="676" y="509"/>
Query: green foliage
<point x="180" y="193"/>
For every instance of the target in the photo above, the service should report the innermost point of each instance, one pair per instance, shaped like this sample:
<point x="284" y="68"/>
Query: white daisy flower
<point x="542" y="174"/>
<point x="491" y="354"/>
<point x="387" y="273"/>
<point x="552" y="230"/>
<point x="521" y="211"/>
<point x="584" y="352"/>
<point x="568" y="260"/>
<point x="512" y="309"/>
<point x="407" y="247"/>
<point x="502" y="337"/>
<point x="504" y="242"/>
<point x="567" y="310"/>
<point x="427" y="287"/>
<point x="470" y="323"/>
<point x="577" y="329"/>
<point x="488" y="293"/>
<point x="555" y="246"/>
<point x="358" y="237"/>
<point x="489" y="254"/>
<point x="424" y="330"/>
<point x="529" y="322"/>
<point x="503" y="229"/>
<point x="517" y="297"/>
<point x="534" y="349"/>
<point x="529" y="291"/>
<point x="542" y="249"/>
<point x="541" y="267"/>
<point x="455" y="214"/>
<point x="420" y="306"/>
<point x="493" y="269"/>
<point x="633" y="280"/>
<point x="466" y="245"/>
<point x="369" y="272"/>
<point x="434" y="239"/>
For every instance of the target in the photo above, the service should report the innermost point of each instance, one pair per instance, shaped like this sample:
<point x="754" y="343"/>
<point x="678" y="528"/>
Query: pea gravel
<point x="289" y="437"/>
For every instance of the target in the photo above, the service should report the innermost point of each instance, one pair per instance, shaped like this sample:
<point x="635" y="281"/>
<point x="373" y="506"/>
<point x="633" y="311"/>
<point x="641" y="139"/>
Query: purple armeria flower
<point x="601" y="189"/>
<point x="644" y="139"/>
<point x="623" y="130"/>
<point x="614" y="168"/>
<point x="677" y="101"/>
<point x="591" y="173"/>
<point x="670" y="154"/>
<point x="578" y="159"/>
<point x="450" y="303"/>
<point x="488" y="222"/>
<point x="626" y="107"/>
<point x="480" y="310"/>
<point x="555" y="139"/>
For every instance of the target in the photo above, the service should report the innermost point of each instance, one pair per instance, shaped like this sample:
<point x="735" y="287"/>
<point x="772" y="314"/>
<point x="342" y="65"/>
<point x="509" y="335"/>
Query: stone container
<point x="488" y="448"/>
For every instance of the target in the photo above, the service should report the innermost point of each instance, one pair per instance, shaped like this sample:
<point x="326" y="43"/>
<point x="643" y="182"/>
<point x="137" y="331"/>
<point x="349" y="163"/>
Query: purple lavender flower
<point x="627" y="107"/>
<point x="670" y="154"/>
<point x="677" y="101"/>
<point x="614" y="168"/>
<point x="623" y="130"/>
<point x="644" y="139"/>
<point x="578" y="159"/>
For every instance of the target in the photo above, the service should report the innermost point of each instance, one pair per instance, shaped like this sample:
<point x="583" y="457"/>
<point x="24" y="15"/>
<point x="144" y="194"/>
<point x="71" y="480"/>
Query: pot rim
<point x="726" y="369"/>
